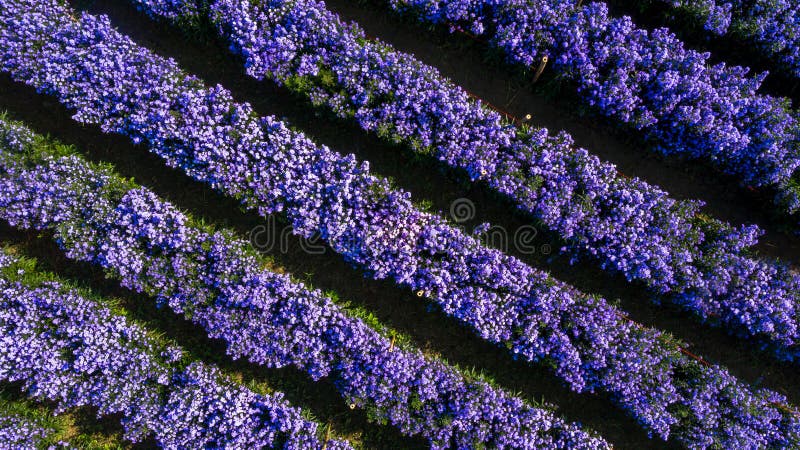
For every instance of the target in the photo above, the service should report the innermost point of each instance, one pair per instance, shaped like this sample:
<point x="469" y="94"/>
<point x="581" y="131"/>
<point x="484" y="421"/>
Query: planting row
<point x="20" y="432"/>
<point x="628" y="225"/>
<point x="67" y="348"/>
<point x="645" y="80"/>
<point x="212" y="279"/>
<point x="124" y="88"/>
<point x="772" y="26"/>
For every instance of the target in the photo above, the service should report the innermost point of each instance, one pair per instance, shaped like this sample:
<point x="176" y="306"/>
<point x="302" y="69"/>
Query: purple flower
<point x="707" y="112"/>
<point x="214" y="280"/>
<point x="631" y="227"/>
<point x="72" y="350"/>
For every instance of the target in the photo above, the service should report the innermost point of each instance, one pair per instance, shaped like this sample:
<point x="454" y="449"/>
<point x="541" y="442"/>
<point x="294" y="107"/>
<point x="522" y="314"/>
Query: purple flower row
<point x="124" y="88"/>
<point x="19" y="432"/>
<point x="773" y="26"/>
<point x="646" y="80"/>
<point x="71" y="350"/>
<point x="264" y="317"/>
<point x="629" y="226"/>
<point x="717" y="17"/>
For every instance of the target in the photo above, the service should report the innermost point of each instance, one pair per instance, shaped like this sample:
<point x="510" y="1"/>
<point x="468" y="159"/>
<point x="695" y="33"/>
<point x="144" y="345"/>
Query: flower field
<point x="513" y="224"/>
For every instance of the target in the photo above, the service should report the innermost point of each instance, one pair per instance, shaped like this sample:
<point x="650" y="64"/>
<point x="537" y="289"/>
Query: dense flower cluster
<point x="263" y="316"/>
<point x="772" y="25"/>
<point x="645" y="80"/>
<point x="23" y="433"/>
<point x="71" y="350"/>
<point x="630" y="226"/>
<point x="112" y="82"/>
<point x="716" y="17"/>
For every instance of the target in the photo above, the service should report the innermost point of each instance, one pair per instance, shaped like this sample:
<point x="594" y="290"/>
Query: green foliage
<point x="67" y="427"/>
<point x="535" y="182"/>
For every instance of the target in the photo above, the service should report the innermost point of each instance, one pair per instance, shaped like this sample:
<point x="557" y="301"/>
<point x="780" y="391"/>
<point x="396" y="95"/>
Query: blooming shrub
<point x="24" y="433"/>
<point x="645" y="80"/>
<point x="772" y="26"/>
<point x="68" y="349"/>
<point x="264" y="317"/>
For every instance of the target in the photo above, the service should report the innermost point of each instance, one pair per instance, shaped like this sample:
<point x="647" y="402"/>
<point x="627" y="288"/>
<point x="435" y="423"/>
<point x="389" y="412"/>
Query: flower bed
<point x="112" y="82"/>
<point x="266" y="318"/>
<point x="71" y="350"/>
<point x="771" y="26"/>
<point x="645" y="80"/>
<point x="21" y="432"/>
<point x="631" y="227"/>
